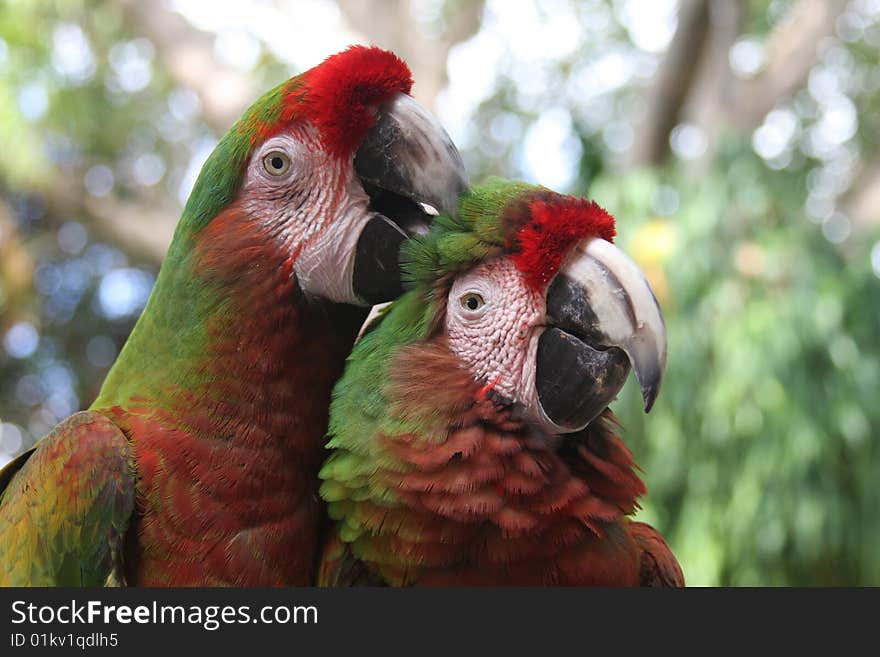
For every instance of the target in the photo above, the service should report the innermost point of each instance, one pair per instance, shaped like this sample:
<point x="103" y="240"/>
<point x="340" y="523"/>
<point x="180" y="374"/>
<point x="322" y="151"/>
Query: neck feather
<point x="229" y="347"/>
<point x="448" y="487"/>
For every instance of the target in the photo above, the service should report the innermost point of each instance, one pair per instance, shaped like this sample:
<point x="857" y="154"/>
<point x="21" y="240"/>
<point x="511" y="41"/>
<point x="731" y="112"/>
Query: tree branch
<point x="695" y="81"/>
<point x="399" y="32"/>
<point x="16" y="270"/>
<point x="188" y="56"/>
<point x="672" y="83"/>
<point x="790" y="53"/>
<point x="711" y="91"/>
<point x="142" y="231"/>
<point x="862" y="202"/>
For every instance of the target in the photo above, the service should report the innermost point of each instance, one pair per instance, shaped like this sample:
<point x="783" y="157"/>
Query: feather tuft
<point x="343" y="92"/>
<point x="556" y="224"/>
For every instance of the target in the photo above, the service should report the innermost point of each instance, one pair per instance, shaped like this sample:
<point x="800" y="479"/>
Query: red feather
<point x="556" y="225"/>
<point x="493" y="503"/>
<point x="343" y="92"/>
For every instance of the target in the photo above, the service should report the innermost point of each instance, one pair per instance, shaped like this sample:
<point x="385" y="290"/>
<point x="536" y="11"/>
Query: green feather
<point x="220" y="177"/>
<point x="184" y="299"/>
<point x="361" y="411"/>
<point x="455" y="244"/>
<point x="66" y="507"/>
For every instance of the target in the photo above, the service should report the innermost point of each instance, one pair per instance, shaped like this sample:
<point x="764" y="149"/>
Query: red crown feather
<point x="340" y="95"/>
<point x="555" y="224"/>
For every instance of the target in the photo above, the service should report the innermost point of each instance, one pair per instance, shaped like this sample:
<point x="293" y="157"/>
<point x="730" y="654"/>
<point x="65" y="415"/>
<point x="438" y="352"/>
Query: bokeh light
<point x="21" y="340"/>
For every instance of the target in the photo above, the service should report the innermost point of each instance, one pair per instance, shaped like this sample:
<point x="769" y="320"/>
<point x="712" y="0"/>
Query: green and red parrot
<point x="197" y="463"/>
<point x="471" y="436"/>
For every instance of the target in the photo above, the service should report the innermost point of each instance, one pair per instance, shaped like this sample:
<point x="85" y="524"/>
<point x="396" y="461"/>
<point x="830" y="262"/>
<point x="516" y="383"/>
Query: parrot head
<point x="333" y="169"/>
<point x="534" y="299"/>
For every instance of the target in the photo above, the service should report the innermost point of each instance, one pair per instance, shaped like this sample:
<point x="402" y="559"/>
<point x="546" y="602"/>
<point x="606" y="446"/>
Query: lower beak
<point x="603" y="318"/>
<point x="406" y="162"/>
<point x="376" y="275"/>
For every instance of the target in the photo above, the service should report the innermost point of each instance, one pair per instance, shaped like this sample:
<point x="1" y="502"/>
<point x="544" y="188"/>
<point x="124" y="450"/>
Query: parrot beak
<point x="603" y="318"/>
<point x="406" y="162"/>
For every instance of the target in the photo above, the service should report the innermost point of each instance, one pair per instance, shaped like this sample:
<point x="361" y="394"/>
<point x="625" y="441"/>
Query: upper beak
<point x="410" y="154"/>
<point x="406" y="162"/>
<point x="603" y="318"/>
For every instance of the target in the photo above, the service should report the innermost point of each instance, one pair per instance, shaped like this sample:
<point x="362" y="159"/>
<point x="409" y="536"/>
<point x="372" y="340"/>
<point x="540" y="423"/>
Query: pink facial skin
<point x="493" y="323"/>
<point x="311" y="199"/>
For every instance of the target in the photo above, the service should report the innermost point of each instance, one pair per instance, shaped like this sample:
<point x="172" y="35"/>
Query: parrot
<point x="470" y="439"/>
<point x="196" y="465"/>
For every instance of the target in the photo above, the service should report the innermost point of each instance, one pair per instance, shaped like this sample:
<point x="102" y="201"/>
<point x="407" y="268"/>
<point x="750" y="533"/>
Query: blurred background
<point x="735" y="142"/>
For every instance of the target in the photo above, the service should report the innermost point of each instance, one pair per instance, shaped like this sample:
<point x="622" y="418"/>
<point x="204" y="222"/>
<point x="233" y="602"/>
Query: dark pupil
<point x="277" y="162"/>
<point x="472" y="303"/>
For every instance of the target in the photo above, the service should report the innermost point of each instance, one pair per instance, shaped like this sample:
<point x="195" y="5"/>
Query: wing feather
<point x="659" y="566"/>
<point x="66" y="505"/>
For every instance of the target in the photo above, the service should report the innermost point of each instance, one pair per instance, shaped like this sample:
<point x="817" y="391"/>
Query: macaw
<point x="197" y="463"/>
<point x="471" y="438"/>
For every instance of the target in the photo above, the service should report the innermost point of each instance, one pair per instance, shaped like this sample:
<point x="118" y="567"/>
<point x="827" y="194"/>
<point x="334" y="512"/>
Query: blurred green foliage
<point x="79" y="93"/>
<point x="761" y="454"/>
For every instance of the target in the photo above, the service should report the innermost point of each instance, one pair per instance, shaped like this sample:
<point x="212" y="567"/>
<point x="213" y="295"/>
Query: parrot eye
<point x="276" y="163"/>
<point x="471" y="301"/>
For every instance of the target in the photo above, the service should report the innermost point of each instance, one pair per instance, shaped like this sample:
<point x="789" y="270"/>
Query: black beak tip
<point x="649" y="394"/>
<point x="649" y="376"/>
